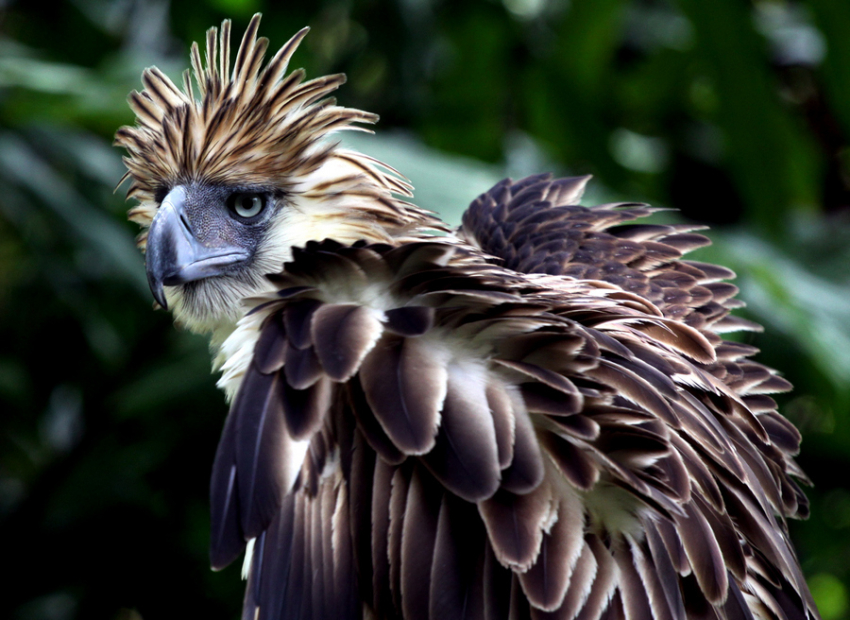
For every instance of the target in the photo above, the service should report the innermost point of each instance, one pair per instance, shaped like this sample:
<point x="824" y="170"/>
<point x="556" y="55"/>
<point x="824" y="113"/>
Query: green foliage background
<point x="735" y="113"/>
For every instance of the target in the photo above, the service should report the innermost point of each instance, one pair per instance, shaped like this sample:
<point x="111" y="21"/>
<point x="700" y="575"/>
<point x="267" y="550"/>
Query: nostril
<point x="185" y="222"/>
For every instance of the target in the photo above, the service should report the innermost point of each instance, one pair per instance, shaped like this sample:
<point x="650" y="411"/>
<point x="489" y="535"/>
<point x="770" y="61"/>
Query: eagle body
<point x="532" y="416"/>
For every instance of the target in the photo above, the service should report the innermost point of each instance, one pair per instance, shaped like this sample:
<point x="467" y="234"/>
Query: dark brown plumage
<point x="534" y="417"/>
<point x="566" y="420"/>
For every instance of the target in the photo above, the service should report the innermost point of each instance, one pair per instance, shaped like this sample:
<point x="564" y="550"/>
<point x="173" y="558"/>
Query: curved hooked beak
<point x="174" y="256"/>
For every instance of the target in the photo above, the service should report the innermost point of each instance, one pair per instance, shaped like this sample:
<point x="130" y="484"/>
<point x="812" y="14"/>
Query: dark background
<point x="735" y="113"/>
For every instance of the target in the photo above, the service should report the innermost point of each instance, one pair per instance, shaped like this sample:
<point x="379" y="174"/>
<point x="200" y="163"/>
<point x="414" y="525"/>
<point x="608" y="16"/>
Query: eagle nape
<point x="534" y="415"/>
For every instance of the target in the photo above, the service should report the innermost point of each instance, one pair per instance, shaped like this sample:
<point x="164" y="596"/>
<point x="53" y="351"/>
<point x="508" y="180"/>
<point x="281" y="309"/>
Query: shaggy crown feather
<point x="252" y="125"/>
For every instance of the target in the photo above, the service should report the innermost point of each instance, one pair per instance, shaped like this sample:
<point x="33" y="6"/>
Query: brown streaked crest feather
<point x="250" y="125"/>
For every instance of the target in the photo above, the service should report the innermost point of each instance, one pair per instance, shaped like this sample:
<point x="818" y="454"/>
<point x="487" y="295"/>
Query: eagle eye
<point x="246" y="205"/>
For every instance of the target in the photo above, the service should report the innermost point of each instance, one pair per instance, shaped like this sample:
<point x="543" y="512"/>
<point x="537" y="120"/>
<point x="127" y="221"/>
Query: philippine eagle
<point x="532" y="416"/>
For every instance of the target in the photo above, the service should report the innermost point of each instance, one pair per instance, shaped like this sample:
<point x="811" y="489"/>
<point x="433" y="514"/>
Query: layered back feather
<point x="431" y="434"/>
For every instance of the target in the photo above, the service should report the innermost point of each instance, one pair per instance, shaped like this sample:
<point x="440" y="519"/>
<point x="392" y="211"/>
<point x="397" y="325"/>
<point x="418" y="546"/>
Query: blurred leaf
<point x="813" y="311"/>
<point x="567" y="93"/>
<point x="445" y="184"/>
<point x="114" y="246"/>
<point x="830" y="595"/>
<point x="832" y="17"/>
<point x="237" y="7"/>
<point x="46" y="77"/>
<point x="773" y="162"/>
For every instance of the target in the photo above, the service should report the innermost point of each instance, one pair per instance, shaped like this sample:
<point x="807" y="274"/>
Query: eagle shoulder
<point x="429" y="434"/>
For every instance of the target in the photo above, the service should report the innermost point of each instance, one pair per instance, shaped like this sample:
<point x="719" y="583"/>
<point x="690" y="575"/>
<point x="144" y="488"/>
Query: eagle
<point x="534" y="415"/>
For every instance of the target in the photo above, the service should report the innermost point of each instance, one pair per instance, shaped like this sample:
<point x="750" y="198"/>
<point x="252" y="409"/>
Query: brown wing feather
<point x="526" y="447"/>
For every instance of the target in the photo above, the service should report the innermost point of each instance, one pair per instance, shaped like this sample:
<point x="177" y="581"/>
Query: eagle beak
<point x="175" y="256"/>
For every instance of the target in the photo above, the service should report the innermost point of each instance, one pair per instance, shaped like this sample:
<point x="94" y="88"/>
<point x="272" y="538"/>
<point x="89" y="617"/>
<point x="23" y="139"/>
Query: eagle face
<point x="209" y="246"/>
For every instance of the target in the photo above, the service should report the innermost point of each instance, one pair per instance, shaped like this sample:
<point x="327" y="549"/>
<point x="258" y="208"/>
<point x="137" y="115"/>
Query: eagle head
<point x="229" y="179"/>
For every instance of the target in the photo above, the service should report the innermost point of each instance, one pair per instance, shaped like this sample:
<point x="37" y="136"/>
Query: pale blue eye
<point x="246" y="205"/>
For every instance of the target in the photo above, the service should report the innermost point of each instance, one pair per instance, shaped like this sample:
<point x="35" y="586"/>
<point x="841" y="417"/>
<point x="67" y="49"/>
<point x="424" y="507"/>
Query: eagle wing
<point x="421" y="433"/>
<point x="537" y="226"/>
